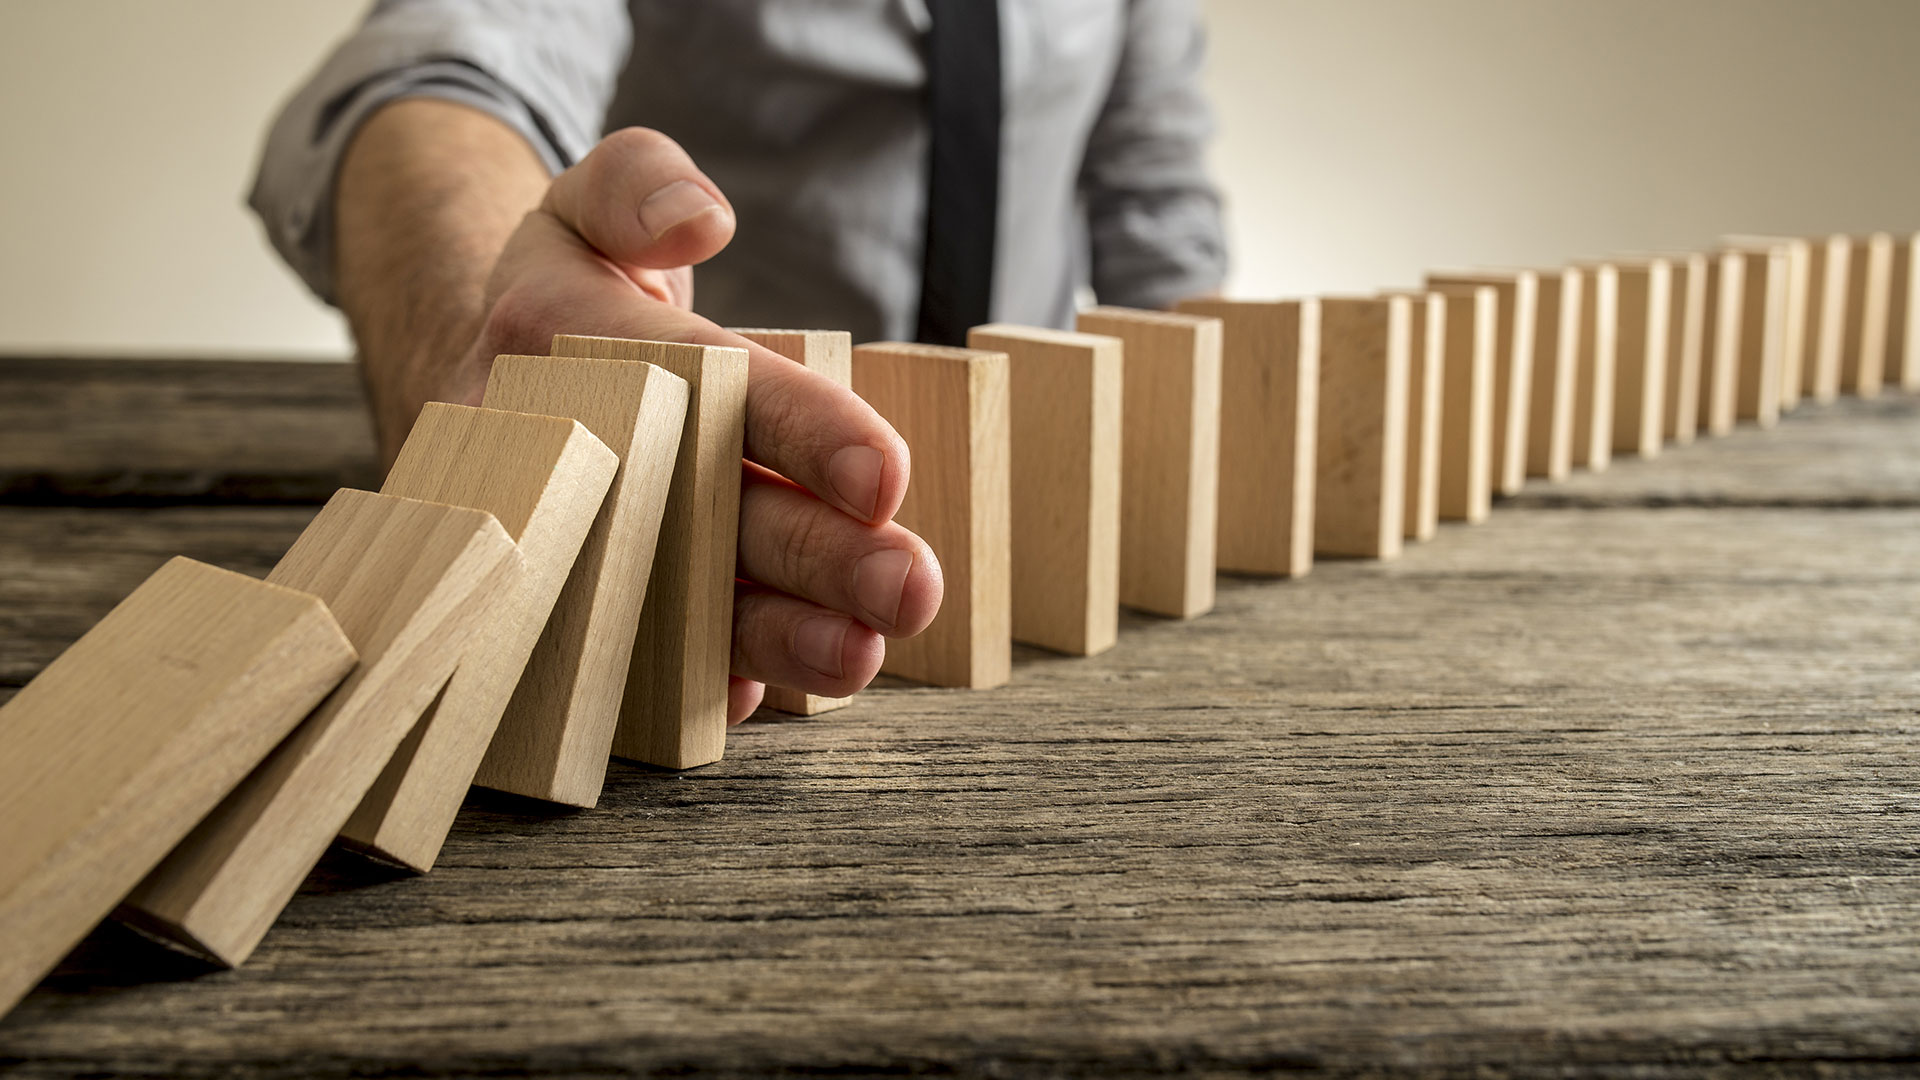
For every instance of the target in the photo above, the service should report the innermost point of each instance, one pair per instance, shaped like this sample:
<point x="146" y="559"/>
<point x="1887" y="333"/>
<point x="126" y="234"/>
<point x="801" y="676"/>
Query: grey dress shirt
<point x="810" y="115"/>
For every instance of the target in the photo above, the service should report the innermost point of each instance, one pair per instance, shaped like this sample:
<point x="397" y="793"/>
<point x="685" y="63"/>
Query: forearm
<point x="428" y="193"/>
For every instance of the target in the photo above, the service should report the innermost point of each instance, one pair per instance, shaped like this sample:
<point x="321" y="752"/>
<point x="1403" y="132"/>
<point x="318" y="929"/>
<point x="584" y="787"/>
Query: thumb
<point x="638" y="199"/>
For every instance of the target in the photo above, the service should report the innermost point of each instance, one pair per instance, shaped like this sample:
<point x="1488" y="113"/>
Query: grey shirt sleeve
<point x="1153" y="216"/>
<point x="546" y="68"/>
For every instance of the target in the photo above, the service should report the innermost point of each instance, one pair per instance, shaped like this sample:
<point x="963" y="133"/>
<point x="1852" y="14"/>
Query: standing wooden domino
<point x="1594" y="364"/>
<point x="1559" y="322"/>
<point x="674" y="713"/>
<point x="1903" y="315"/>
<point x="1763" y="331"/>
<point x="1645" y="318"/>
<point x="1720" y="346"/>
<point x="1064" y="436"/>
<point x="409" y="582"/>
<point x="544" y="478"/>
<point x="134" y="733"/>
<point x="1466" y="410"/>
<point x="1426" y="370"/>
<point x="1519" y="292"/>
<point x="1863" y="354"/>
<point x="1686" y="338"/>
<point x="1361" y="488"/>
<point x="829" y="352"/>
<point x="1170" y="457"/>
<point x="1269" y="405"/>
<point x="1829" y="268"/>
<point x="1794" y="308"/>
<point x="950" y="405"/>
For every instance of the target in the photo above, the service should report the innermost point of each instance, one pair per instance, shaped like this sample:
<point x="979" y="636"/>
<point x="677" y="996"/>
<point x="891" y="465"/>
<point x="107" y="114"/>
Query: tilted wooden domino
<point x="829" y="352"/>
<point x="1519" y="292"/>
<point x="1762" y="335"/>
<point x="674" y="713"/>
<point x="554" y="739"/>
<point x="1686" y="339"/>
<point x="544" y="479"/>
<point x="1064" y="437"/>
<point x="1903" y="315"/>
<point x="1863" y="353"/>
<point x="1720" y="344"/>
<point x="1269" y="410"/>
<point x="950" y="405"/>
<point x="1559" y="323"/>
<point x="409" y="582"/>
<point x="1426" y="370"/>
<point x="1362" y="456"/>
<point x="1169" y="457"/>
<point x="1793" y="310"/>
<point x="1830" y="265"/>
<point x="134" y="733"/>
<point x="1466" y="408"/>
<point x="1645" y="329"/>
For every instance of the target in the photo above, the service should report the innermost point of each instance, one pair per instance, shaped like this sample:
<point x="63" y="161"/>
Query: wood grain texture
<point x="1466" y="421"/>
<point x="1170" y="457"/>
<point x="1903" y="315"/>
<point x="674" y="712"/>
<point x="1721" y="341"/>
<point x="1269" y="406"/>
<point x="554" y="739"/>
<point x="133" y="734"/>
<point x="1560" y="323"/>
<point x="1360" y="488"/>
<point x="1064" y="398"/>
<point x="409" y="582"/>
<point x="829" y="352"/>
<point x="1686" y="343"/>
<point x="1594" y="364"/>
<point x="1645" y="329"/>
<point x="1830" y="267"/>
<point x="1426" y="370"/>
<point x="1512" y="370"/>
<point x="1863" y="351"/>
<point x="1792" y="313"/>
<point x="544" y="479"/>
<point x="1762" y="335"/>
<point x="951" y="406"/>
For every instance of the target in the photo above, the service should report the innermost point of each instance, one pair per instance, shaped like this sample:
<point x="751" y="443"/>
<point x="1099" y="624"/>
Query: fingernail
<point x="878" y="581"/>
<point x="675" y="204"/>
<point x="819" y="641"/>
<point x="854" y="472"/>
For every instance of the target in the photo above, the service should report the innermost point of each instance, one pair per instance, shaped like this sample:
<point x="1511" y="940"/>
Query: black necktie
<point x="963" y="168"/>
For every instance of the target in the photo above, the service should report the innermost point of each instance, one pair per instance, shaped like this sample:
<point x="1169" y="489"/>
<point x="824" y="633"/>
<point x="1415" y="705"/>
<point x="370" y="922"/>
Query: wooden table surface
<point x="1621" y="783"/>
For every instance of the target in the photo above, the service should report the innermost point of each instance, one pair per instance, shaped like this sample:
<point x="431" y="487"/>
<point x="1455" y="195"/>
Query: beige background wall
<point x="1362" y="141"/>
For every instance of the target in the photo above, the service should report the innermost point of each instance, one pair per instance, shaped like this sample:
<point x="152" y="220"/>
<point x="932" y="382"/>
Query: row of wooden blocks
<point x="547" y="580"/>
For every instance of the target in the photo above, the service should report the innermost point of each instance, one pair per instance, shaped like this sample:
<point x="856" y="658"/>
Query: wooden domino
<point x="409" y="582"/>
<point x="1686" y="339"/>
<point x="544" y="479"/>
<point x="1903" y="315"/>
<point x="1519" y="292"/>
<point x="1863" y="353"/>
<point x="134" y="733"/>
<point x="1792" y="312"/>
<point x="1170" y="457"/>
<point x="1466" y="405"/>
<point x="1763" y="308"/>
<point x="829" y="352"/>
<point x="1269" y="405"/>
<point x="1829" y="267"/>
<point x="1594" y="363"/>
<point x="1426" y="371"/>
<point x="1360" y="490"/>
<point x="951" y="406"/>
<point x="674" y="712"/>
<point x="1644" y="324"/>
<point x="1559" y="323"/>
<point x="1720" y="344"/>
<point x="1063" y="413"/>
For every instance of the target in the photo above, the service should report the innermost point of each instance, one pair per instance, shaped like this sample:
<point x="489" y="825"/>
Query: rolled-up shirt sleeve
<point x="1153" y="215"/>
<point x="546" y="68"/>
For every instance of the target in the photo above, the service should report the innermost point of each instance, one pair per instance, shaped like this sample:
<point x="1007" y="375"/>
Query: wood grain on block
<point x="829" y="352"/>
<point x="1793" y="310"/>
<point x="1512" y="366"/>
<point x="1594" y="363"/>
<point x="1863" y="353"/>
<point x="1720" y="344"/>
<point x="409" y="583"/>
<point x="122" y="744"/>
<point x="1686" y="339"/>
<point x="1170" y="457"/>
<point x="1361" y="485"/>
<point x="1466" y="409"/>
<point x="1903" y="316"/>
<point x="1269" y="408"/>
<point x="1560" y="319"/>
<point x="1064" y="393"/>
<point x="1426" y="369"/>
<point x="544" y="478"/>
<point x="674" y="712"/>
<point x="1645" y="329"/>
<point x="1762" y="335"/>
<point x="951" y="407"/>
<point x="1830" y="268"/>
<point x="554" y="739"/>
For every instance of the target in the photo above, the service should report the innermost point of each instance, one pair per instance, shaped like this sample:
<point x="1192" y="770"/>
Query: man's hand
<point x="609" y="252"/>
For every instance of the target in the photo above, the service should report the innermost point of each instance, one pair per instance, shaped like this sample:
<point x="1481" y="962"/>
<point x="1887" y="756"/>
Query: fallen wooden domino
<point x="409" y="583"/>
<point x="1360" y="488"/>
<point x="1170" y="457"/>
<point x="122" y="744"/>
<point x="544" y="478"/>
<point x="1519" y="296"/>
<point x="674" y="712"/>
<point x="1763" y="333"/>
<point x="1903" y="315"/>
<point x="1426" y="371"/>
<point x="1559" y="322"/>
<point x="829" y="352"/>
<point x="1830" y="264"/>
<point x="1863" y="353"/>
<point x="1064" y="392"/>
<point x="1646" y="319"/>
<point x="1466" y="409"/>
<point x="1269" y="410"/>
<point x="1593" y="370"/>
<point x="950" y="405"/>
<point x="1720" y="343"/>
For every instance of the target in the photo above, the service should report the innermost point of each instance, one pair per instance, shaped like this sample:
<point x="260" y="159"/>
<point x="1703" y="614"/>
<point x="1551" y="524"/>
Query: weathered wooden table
<point x="1620" y="783"/>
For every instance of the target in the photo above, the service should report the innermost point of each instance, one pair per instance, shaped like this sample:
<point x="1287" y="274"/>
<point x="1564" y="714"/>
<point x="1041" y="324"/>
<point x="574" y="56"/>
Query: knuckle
<point x="621" y="147"/>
